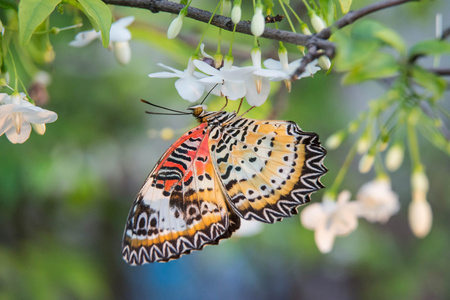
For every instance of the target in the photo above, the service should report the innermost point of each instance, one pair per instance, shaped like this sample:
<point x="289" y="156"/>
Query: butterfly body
<point x="226" y="168"/>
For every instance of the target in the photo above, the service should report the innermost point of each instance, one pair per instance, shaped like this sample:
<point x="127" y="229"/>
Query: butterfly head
<point x="198" y="110"/>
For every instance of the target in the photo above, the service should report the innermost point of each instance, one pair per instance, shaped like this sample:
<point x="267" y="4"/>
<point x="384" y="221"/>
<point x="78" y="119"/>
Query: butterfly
<point x="228" y="167"/>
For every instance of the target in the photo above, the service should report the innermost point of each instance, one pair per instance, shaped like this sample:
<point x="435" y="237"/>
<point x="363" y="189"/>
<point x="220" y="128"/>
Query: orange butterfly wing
<point x="267" y="168"/>
<point x="181" y="206"/>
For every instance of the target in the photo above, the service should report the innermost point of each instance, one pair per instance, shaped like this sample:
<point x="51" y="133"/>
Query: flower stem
<point x="412" y="141"/>
<point x="287" y="16"/>
<point x="207" y="26"/>
<point x="342" y="171"/>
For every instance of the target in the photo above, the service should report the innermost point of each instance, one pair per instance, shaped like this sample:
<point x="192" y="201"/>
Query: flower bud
<point x="38" y="128"/>
<point x="363" y="144"/>
<point x="324" y="62"/>
<point x="305" y="29"/>
<point x="394" y="157"/>
<point x="236" y="13"/>
<point x="122" y="52"/>
<point x="335" y="140"/>
<point x="226" y="7"/>
<point x="366" y="163"/>
<point x="175" y="26"/>
<point x="420" y="217"/>
<point x="258" y="22"/>
<point x="317" y="22"/>
<point x="419" y="182"/>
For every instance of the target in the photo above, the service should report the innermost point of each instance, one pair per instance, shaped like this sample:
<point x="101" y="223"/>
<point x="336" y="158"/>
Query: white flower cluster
<point x="119" y="39"/>
<point x="375" y="201"/>
<point x="251" y="82"/>
<point x="18" y="115"/>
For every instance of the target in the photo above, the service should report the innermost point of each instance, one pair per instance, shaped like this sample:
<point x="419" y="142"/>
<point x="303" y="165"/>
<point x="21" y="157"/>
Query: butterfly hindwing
<point x="181" y="206"/>
<point x="267" y="168"/>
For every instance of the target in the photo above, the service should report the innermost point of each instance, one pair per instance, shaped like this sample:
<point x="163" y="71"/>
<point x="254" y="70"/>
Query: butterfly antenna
<point x="209" y="93"/>
<point x="166" y="114"/>
<point x="166" y="108"/>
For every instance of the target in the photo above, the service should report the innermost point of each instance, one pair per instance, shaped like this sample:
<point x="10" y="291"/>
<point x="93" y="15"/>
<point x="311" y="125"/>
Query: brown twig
<point x="219" y="21"/>
<point x="315" y="52"/>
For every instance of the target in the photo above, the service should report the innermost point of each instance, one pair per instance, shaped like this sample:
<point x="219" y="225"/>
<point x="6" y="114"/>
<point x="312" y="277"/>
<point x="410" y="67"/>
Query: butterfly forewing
<point x="268" y="168"/>
<point x="181" y="206"/>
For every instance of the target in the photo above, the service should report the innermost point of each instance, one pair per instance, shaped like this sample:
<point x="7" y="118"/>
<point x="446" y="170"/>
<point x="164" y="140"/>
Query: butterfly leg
<point x="240" y="103"/>
<point x="248" y="110"/>
<point x="226" y="103"/>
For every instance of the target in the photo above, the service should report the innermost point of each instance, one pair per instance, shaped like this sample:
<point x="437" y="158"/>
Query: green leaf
<point x="11" y="4"/>
<point x="372" y="30"/>
<point x="379" y="66"/>
<point x="430" y="81"/>
<point x="100" y="16"/>
<point x="31" y="14"/>
<point x="430" y="47"/>
<point x="352" y="53"/>
<point x="345" y="5"/>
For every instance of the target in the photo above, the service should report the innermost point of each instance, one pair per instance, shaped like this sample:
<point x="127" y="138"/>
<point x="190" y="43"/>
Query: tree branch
<point x="314" y="52"/>
<point x="317" y="44"/>
<point x="219" y="21"/>
<point x="352" y="16"/>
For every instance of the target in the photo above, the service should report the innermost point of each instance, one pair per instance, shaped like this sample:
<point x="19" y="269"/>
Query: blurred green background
<point x="65" y="196"/>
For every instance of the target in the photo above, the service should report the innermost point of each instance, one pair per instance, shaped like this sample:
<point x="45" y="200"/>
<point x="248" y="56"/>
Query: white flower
<point x="376" y="201"/>
<point x="258" y="88"/>
<point x="119" y="37"/>
<point x="119" y="31"/>
<point x="232" y="80"/>
<point x="282" y="70"/>
<point x="330" y="219"/>
<point x="188" y="86"/>
<point x="85" y="37"/>
<point x="16" y="114"/>
<point x="258" y="23"/>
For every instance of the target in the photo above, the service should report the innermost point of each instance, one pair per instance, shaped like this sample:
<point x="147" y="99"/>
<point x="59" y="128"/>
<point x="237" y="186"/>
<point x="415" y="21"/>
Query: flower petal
<point x="312" y="215"/>
<point x="19" y="138"/>
<point x="205" y="68"/>
<point x="324" y="239"/>
<point x="41" y="116"/>
<point x="189" y="88"/>
<point x="233" y="89"/>
<point x="5" y="123"/>
<point x="253" y="97"/>
<point x="85" y="37"/>
<point x="123" y="22"/>
<point x="272" y="64"/>
<point x="163" y="75"/>
<point x="118" y="34"/>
